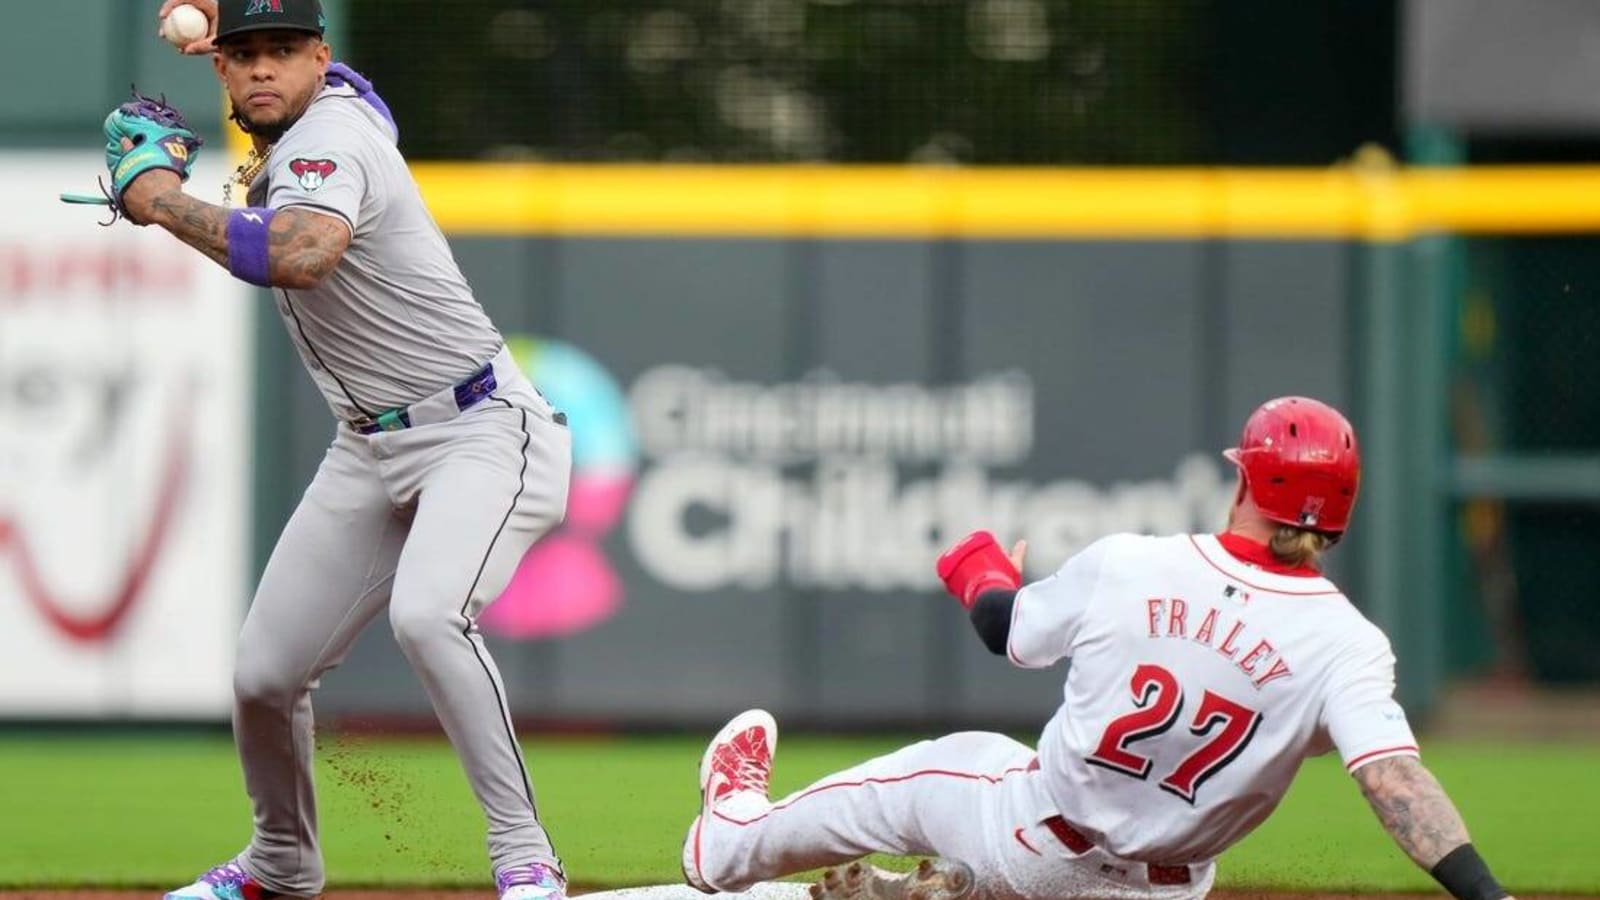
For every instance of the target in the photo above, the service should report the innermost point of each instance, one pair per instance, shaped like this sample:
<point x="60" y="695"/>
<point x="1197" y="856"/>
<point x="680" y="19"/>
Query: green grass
<point x="151" y="811"/>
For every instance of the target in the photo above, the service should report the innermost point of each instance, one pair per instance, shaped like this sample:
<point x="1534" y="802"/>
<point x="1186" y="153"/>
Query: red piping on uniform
<point x="1024" y="842"/>
<point x="970" y="776"/>
<point x="1248" y="584"/>
<point x="1404" y="748"/>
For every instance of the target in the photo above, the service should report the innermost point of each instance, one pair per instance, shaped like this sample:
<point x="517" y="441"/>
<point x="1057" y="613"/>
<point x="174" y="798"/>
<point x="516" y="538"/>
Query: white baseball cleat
<point x="736" y="767"/>
<point x="932" y="879"/>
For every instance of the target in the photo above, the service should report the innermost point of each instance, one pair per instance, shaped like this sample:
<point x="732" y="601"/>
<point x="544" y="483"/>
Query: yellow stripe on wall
<point x="1380" y="203"/>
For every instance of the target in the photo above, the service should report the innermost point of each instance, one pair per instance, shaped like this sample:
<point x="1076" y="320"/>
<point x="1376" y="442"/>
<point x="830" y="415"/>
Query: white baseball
<point x="184" y="25"/>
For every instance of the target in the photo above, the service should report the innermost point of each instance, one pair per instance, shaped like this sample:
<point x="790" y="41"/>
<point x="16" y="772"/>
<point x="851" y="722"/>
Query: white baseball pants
<point x="971" y="796"/>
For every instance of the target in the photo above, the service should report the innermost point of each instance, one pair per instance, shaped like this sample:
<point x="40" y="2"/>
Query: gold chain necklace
<point x="246" y="174"/>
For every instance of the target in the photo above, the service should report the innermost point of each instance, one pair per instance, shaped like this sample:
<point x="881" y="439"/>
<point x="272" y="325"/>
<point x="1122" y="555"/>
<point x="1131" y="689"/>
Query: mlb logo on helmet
<point x="1311" y="511"/>
<point x="261" y="6"/>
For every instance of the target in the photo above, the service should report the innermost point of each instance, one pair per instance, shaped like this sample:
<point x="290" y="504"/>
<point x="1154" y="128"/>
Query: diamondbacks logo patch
<point x="261" y="6"/>
<point x="312" y="172"/>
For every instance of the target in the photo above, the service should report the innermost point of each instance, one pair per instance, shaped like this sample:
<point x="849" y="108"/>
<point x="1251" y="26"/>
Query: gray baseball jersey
<point x="395" y="321"/>
<point x="428" y="519"/>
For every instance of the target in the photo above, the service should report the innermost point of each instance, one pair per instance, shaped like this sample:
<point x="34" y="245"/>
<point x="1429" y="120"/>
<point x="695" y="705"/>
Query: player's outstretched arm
<point x="977" y="572"/>
<point x="1417" y="813"/>
<point x="297" y="250"/>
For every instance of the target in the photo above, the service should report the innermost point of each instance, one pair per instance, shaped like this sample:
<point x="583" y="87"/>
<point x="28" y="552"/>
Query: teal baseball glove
<point x="141" y="135"/>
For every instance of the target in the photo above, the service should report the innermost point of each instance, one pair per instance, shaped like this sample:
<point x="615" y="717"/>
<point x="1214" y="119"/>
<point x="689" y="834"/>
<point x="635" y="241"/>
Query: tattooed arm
<point x="1413" y="808"/>
<point x="1415" y="811"/>
<point x="304" y="245"/>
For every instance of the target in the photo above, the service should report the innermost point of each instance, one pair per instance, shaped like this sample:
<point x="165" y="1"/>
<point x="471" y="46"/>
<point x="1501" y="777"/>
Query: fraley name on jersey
<point x="1169" y="617"/>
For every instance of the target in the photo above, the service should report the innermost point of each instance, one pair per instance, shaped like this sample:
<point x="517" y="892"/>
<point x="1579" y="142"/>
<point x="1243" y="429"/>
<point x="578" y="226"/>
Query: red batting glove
<point x="977" y="563"/>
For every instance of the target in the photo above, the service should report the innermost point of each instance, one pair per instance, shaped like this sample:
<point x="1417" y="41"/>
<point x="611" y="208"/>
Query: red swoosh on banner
<point x="99" y="626"/>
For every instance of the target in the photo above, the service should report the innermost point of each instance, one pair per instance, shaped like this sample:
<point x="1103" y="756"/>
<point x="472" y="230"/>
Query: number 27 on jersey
<point x="1224" y="726"/>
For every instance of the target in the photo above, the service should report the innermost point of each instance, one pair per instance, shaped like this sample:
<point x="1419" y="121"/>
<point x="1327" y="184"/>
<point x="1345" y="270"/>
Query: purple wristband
<point x="248" y="257"/>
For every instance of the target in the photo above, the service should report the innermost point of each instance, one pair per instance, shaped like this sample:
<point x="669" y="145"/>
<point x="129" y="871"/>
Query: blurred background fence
<point x="1032" y="82"/>
<point x="1066" y="276"/>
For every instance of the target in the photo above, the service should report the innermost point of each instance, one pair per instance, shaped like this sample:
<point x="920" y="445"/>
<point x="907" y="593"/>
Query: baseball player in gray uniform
<point x="445" y="467"/>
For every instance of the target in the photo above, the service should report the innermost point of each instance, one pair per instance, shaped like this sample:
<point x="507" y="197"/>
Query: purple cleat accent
<point x="530" y="881"/>
<point x="228" y="881"/>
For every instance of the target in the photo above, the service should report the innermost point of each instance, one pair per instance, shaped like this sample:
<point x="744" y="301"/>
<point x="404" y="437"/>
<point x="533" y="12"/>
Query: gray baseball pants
<point x="429" y="522"/>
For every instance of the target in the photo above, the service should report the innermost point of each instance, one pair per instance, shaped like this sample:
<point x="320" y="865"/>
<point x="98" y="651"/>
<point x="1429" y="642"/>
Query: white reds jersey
<point x="1199" y="682"/>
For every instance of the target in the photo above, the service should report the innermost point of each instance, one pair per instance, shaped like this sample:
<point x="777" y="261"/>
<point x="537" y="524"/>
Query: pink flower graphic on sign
<point x="565" y="583"/>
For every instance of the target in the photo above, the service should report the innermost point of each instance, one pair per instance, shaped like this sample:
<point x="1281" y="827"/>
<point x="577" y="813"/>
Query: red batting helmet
<point x="1300" y="463"/>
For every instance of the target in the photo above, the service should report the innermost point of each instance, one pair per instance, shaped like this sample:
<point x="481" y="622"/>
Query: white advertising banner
<point x="124" y="415"/>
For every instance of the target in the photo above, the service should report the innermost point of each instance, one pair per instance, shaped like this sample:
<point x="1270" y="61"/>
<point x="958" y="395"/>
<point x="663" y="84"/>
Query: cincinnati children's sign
<point x="834" y="484"/>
